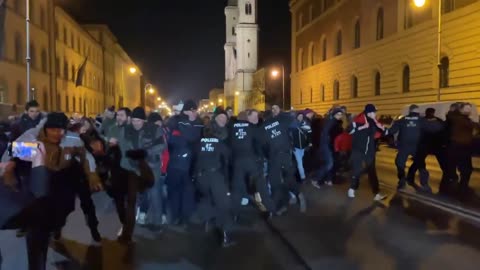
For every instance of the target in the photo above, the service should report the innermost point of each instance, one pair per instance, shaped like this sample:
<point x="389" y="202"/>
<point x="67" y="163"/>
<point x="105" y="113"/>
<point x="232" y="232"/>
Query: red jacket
<point x="343" y="142"/>
<point x="361" y="119"/>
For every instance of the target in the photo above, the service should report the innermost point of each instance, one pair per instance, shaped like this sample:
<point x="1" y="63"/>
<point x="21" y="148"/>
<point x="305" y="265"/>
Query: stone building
<point x="354" y="52"/>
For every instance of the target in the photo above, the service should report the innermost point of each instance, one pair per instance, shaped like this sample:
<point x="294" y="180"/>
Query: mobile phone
<point x="24" y="149"/>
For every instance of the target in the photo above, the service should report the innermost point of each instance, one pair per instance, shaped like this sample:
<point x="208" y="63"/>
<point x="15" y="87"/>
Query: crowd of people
<point x="163" y="172"/>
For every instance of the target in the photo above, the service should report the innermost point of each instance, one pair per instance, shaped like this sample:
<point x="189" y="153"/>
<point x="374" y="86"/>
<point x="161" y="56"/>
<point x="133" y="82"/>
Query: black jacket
<point x="329" y="131"/>
<point x="245" y="140"/>
<point x="275" y="132"/>
<point x="23" y="124"/>
<point x="410" y="129"/>
<point x="460" y="128"/>
<point x="363" y="141"/>
<point x="213" y="155"/>
<point x="301" y="135"/>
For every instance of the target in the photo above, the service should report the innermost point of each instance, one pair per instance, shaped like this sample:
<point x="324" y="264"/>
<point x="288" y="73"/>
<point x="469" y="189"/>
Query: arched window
<point x="80" y="105"/>
<point x="311" y="95"/>
<point x="406" y="79"/>
<point x="44" y="61"/>
<point x="336" y="90"/>
<point x="300" y="21"/>
<point x="57" y="30"/>
<point x="248" y="8"/>
<point x="20" y="94"/>
<point x="324" y="49"/>
<point x="300" y="60"/>
<point x="18" y="49"/>
<point x="448" y="6"/>
<point x="377" y="83"/>
<point x="356" y="43"/>
<point x="74" y="105"/>
<point x="78" y="45"/>
<point x="65" y="70"/>
<point x="354" y="90"/>
<point x="59" y="103"/>
<point x="338" y="50"/>
<point x="73" y="73"/>
<point x="57" y="66"/>
<point x="322" y="92"/>
<point x="301" y="96"/>
<point x="444" y="72"/>
<point x="43" y="19"/>
<point x="33" y="56"/>
<point x="45" y="101"/>
<point x="312" y="55"/>
<point x="380" y="24"/>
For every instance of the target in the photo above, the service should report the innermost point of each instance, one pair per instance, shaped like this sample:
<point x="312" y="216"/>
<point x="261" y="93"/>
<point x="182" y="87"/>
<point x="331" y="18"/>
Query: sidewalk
<point x="340" y="233"/>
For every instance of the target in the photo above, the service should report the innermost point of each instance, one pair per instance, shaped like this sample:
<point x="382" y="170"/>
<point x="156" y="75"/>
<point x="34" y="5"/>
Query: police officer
<point x="246" y="146"/>
<point x="408" y="129"/>
<point x="281" y="170"/>
<point x="211" y="172"/>
<point x="430" y="143"/>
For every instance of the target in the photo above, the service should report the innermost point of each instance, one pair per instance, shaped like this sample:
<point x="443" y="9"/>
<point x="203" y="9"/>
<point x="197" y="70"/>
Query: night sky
<point x="179" y="44"/>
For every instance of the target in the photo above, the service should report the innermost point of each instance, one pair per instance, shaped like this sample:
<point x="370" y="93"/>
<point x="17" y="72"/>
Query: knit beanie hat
<point x="56" y="120"/>
<point x="139" y="113"/>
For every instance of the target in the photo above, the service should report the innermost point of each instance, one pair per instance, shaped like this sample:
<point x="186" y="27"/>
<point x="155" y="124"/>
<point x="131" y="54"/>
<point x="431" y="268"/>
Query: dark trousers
<point x="459" y="157"/>
<point x="420" y="164"/>
<point x="125" y="200"/>
<point x="245" y="169"/>
<point x="281" y="176"/>
<point x="401" y="160"/>
<point x="326" y="172"/>
<point x="82" y="190"/>
<point x="181" y="194"/>
<point x="357" y="160"/>
<point x="37" y="248"/>
<point x="215" y="201"/>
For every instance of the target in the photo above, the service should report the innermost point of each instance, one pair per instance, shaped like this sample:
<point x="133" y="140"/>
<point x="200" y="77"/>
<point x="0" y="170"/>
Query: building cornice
<point x="322" y="16"/>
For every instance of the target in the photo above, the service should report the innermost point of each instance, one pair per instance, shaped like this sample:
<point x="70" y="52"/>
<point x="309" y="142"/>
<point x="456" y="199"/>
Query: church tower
<point x="247" y="49"/>
<point x="231" y="17"/>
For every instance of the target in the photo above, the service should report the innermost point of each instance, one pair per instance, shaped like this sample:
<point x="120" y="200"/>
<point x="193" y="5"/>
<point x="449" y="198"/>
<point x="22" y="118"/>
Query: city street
<point x="336" y="233"/>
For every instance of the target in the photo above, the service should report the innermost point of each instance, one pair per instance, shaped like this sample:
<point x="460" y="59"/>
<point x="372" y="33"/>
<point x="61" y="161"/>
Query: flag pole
<point x="27" y="20"/>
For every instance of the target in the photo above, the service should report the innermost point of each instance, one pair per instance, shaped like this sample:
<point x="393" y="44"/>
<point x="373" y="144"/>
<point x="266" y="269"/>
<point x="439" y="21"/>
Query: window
<point x="57" y="30"/>
<point x="67" y="104"/>
<point x="311" y="95"/>
<point x="322" y="92"/>
<point x="356" y="43"/>
<point x="324" y="5"/>
<point x="380" y="24"/>
<point x="324" y="49"/>
<point x="312" y="55"/>
<point x="59" y="105"/>
<point x="45" y="102"/>
<point x="444" y="72"/>
<point x="3" y="90"/>
<point x="65" y="70"/>
<point x="354" y="90"/>
<point x="44" y="61"/>
<point x="33" y="56"/>
<point x="248" y="8"/>
<point x="406" y="79"/>
<point x="18" y="49"/>
<point x="233" y="30"/>
<point x="377" y="83"/>
<point x="17" y="6"/>
<point x="300" y="60"/>
<point x="301" y="96"/>
<point x="78" y="45"/>
<point x="336" y="90"/>
<point x="73" y="73"/>
<point x="339" y="43"/>
<point x="57" y="66"/>
<point x="43" y="19"/>
<point x="448" y="6"/>
<point x="74" y="105"/>
<point x="80" y="105"/>
<point x="300" y="21"/>
<point x="310" y="13"/>
<point x="20" y="93"/>
<point x="65" y="35"/>
<point x="72" y="41"/>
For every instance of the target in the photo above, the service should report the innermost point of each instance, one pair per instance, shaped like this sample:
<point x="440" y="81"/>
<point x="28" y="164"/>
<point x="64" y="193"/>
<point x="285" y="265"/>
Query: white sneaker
<point x="258" y="198"/>
<point x="329" y="183"/>
<point x="142" y="218"/>
<point x="244" y="201"/>
<point x="120" y="232"/>
<point x="379" y="197"/>
<point x="351" y="193"/>
<point x="164" y="220"/>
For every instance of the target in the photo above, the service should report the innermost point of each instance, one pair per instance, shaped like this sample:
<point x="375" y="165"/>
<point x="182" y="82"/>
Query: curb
<point x="456" y="210"/>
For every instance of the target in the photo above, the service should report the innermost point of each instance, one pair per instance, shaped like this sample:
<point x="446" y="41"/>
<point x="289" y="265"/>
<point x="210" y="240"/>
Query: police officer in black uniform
<point x="281" y="170"/>
<point x="246" y="146"/>
<point x="211" y="172"/>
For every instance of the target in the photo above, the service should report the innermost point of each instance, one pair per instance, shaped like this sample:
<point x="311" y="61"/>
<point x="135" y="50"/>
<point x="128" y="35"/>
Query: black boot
<point x="226" y="241"/>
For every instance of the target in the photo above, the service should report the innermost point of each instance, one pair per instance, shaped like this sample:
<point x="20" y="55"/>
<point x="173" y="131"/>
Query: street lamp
<point x="211" y="103"/>
<point x="220" y="100"/>
<point x="27" y="32"/>
<point x="421" y="3"/>
<point x="237" y="93"/>
<point x="275" y="74"/>
<point x="133" y="70"/>
<point x="151" y="90"/>
<point x="159" y="98"/>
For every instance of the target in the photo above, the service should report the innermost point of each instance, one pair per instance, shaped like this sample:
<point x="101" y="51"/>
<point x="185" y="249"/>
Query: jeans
<point x="299" y="158"/>
<point x="325" y="172"/>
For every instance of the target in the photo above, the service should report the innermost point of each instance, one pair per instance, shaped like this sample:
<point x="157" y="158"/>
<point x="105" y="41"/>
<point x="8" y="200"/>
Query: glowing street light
<point x="211" y="103"/>
<point x="237" y="93"/>
<point x="275" y="73"/>
<point x="159" y="98"/>
<point x="159" y="106"/>
<point x="163" y="103"/>
<point x="419" y="3"/>
<point x="220" y="100"/>
<point x="151" y="90"/>
<point x="133" y="70"/>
